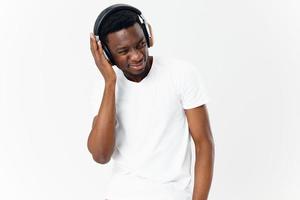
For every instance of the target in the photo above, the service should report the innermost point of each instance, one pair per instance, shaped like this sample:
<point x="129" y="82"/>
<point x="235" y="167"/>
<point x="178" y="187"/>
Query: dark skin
<point x="129" y="49"/>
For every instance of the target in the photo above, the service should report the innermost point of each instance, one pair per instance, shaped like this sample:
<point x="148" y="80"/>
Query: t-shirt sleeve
<point x="192" y="91"/>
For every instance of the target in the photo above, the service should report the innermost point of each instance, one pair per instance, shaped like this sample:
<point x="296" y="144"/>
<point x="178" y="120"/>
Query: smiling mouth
<point x="138" y="66"/>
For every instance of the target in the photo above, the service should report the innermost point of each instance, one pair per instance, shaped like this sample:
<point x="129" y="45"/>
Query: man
<point x="151" y="107"/>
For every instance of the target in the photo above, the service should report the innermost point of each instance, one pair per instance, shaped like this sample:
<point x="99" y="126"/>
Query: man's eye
<point x="122" y="52"/>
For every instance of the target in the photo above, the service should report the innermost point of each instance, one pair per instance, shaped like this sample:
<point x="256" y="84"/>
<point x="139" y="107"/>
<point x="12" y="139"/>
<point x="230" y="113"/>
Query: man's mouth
<point x="138" y="66"/>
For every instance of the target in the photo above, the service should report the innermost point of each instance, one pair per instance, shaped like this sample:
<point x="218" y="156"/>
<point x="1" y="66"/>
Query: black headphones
<point x="111" y="10"/>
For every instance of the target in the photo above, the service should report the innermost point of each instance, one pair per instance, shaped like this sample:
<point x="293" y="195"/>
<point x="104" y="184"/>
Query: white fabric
<point x="152" y="156"/>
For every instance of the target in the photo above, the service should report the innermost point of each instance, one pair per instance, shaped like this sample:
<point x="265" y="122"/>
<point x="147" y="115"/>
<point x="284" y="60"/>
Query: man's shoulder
<point x="176" y="66"/>
<point x="174" y="63"/>
<point x="170" y="59"/>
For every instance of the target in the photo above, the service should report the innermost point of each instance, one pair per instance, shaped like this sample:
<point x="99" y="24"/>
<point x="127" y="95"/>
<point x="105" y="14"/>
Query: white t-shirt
<point x="152" y="156"/>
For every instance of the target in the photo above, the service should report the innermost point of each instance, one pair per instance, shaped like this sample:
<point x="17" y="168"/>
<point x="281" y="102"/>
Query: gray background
<point x="247" y="51"/>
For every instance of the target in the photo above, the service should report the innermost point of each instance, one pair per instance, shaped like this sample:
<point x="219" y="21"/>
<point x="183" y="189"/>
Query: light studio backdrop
<point x="247" y="52"/>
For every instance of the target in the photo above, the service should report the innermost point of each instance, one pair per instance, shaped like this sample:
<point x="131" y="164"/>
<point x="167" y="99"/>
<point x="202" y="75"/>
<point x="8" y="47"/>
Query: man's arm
<point x="200" y="131"/>
<point x="101" y="140"/>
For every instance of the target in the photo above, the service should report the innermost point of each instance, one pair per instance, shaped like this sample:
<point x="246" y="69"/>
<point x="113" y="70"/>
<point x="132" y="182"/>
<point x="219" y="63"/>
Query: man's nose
<point x="136" y="55"/>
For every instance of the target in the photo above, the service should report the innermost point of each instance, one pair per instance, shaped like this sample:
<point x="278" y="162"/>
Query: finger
<point x="100" y="49"/>
<point x="102" y="53"/>
<point x="96" y="48"/>
<point x="96" y="45"/>
<point x="92" y="41"/>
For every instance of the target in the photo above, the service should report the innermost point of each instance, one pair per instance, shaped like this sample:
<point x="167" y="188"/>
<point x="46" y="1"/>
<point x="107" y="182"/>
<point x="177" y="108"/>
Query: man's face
<point x="129" y="50"/>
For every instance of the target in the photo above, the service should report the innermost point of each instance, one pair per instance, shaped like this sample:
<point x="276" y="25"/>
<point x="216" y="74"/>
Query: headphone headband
<point x="111" y="10"/>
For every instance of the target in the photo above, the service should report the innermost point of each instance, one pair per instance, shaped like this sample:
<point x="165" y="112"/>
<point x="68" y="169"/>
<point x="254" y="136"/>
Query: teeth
<point x="137" y="66"/>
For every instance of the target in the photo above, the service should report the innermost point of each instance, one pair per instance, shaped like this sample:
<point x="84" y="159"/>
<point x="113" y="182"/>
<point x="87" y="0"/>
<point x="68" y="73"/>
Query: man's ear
<point x="151" y="38"/>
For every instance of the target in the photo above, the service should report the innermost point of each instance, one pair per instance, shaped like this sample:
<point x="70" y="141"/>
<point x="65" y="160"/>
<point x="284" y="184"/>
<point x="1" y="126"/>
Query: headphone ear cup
<point x="151" y="39"/>
<point x="107" y="54"/>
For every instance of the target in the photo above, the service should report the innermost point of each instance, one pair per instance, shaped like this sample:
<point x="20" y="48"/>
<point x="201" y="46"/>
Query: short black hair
<point x="117" y="21"/>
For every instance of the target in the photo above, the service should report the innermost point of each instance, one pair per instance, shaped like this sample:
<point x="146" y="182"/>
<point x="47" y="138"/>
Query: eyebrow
<point x="122" y="48"/>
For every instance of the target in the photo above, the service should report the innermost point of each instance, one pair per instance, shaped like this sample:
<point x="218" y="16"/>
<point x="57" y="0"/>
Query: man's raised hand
<point x="102" y="63"/>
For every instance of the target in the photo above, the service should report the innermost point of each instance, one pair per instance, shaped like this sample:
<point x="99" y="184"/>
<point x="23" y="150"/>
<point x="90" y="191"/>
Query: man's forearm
<point x="101" y="140"/>
<point x="203" y="170"/>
